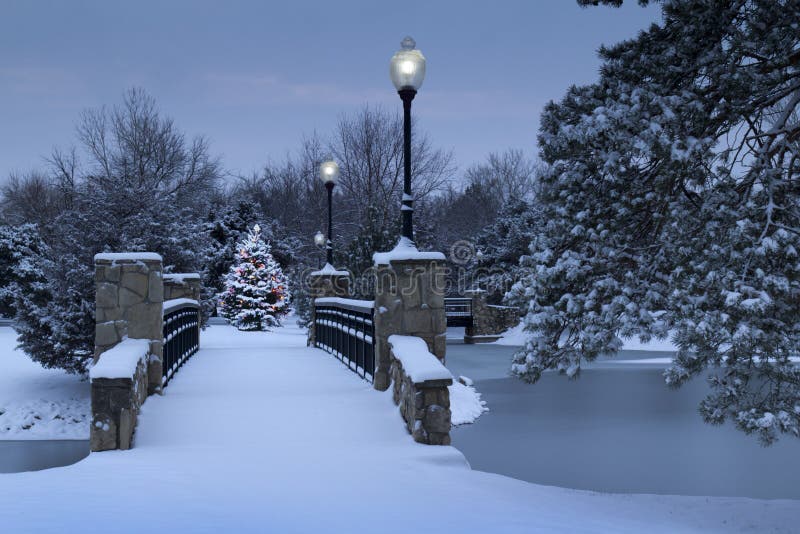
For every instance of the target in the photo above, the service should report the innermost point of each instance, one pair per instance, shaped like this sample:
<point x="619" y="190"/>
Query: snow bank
<point x="514" y="337"/>
<point x="329" y="270"/>
<point x="121" y="360"/>
<point x="465" y="403"/>
<point x="404" y="250"/>
<point x="127" y="256"/>
<point x="38" y="403"/>
<point x="418" y="363"/>
<point x="174" y="304"/>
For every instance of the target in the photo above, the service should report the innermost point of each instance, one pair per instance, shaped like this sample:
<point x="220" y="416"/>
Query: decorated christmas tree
<point x="256" y="292"/>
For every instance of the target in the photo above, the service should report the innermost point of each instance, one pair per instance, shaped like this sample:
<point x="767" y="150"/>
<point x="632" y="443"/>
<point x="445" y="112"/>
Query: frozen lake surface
<point x="616" y="429"/>
<point x="33" y="455"/>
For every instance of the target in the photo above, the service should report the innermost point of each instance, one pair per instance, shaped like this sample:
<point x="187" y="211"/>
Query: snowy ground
<point x="38" y="403"/>
<point x="259" y="433"/>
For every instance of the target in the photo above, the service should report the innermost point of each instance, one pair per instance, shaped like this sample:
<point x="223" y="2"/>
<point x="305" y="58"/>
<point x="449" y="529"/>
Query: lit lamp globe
<point x="319" y="239"/>
<point x="407" y="66"/>
<point x="329" y="172"/>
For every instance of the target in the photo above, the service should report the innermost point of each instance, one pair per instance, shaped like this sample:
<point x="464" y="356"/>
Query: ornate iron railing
<point x="181" y="335"/>
<point x="458" y="311"/>
<point x="345" y="328"/>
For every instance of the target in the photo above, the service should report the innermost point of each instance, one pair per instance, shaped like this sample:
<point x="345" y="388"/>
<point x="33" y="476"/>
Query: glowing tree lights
<point x="256" y="292"/>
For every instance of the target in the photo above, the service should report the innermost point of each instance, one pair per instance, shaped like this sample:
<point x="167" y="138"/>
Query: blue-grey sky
<point x="254" y="76"/>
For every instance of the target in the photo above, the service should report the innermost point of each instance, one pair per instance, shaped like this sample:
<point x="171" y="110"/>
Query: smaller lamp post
<point x="328" y="173"/>
<point x="319" y="240"/>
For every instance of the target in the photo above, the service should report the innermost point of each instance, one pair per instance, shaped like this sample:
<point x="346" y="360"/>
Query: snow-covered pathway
<point x="258" y="433"/>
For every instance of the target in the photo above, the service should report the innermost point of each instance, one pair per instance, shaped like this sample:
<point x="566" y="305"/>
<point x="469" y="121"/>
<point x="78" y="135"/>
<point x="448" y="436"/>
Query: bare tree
<point x="369" y="148"/>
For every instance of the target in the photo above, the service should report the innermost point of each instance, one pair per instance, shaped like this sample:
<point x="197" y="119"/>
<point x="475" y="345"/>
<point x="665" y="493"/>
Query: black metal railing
<point x="181" y="337"/>
<point x="345" y="328"/>
<point x="458" y="311"/>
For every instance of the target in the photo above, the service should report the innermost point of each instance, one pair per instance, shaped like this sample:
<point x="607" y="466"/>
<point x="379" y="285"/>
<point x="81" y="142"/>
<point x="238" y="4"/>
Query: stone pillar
<point x="409" y="300"/>
<point x="182" y="286"/>
<point x="488" y="322"/>
<point x="129" y="300"/>
<point x="327" y="282"/>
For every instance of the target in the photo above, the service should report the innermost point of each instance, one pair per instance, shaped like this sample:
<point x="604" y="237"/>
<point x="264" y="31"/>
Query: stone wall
<point x="116" y="402"/>
<point x="182" y="286"/>
<point x="129" y="301"/>
<point x="409" y="300"/>
<point x="424" y="406"/>
<point x="488" y="321"/>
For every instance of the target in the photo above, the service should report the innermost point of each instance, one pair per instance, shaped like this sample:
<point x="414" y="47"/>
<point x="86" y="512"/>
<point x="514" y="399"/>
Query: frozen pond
<point x="616" y="429"/>
<point x="33" y="455"/>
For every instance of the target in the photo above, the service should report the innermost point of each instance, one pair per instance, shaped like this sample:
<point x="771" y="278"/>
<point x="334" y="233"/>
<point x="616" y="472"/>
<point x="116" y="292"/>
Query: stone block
<point x="106" y="334"/>
<point x="145" y="320"/>
<point x="417" y="321"/>
<point x="155" y="291"/>
<point x="106" y="295"/>
<point x="137" y="283"/>
<point x="154" y="372"/>
<point x="103" y="434"/>
<point x="112" y="273"/>
<point x="440" y="346"/>
<point x="126" y="425"/>
<point x="436" y="419"/>
<point x="128" y="298"/>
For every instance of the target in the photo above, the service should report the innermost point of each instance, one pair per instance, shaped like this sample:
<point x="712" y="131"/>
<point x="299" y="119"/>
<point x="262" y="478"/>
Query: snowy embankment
<point x="465" y="402"/>
<point x="259" y="433"/>
<point x="39" y="403"/>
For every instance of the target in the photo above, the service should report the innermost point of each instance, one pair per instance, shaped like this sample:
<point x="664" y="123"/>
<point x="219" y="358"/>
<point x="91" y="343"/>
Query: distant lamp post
<point x="328" y="173"/>
<point x="407" y="71"/>
<point x="319" y="240"/>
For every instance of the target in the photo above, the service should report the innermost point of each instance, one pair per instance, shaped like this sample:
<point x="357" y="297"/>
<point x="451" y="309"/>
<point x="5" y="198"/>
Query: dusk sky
<point x="255" y="76"/>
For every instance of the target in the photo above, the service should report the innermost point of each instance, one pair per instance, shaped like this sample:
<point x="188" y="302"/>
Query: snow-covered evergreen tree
<point x="142" y="187"/>
<point x="671" y="209"/>
<point x="256" y="292"/>
<point x="19" y="272"/>
<point x="500" y="246"/>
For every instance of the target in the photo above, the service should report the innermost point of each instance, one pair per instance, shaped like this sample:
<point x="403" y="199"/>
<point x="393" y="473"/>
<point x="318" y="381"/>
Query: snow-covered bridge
<point x="259" y="433"/>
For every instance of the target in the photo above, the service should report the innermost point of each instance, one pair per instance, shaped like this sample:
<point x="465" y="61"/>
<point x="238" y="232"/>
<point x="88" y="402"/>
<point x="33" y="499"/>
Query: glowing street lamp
<point x="328" y="173"/>
<point x="407" y="71"/>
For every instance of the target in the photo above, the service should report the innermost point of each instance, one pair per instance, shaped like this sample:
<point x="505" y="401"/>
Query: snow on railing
<point x="345" y="328"/>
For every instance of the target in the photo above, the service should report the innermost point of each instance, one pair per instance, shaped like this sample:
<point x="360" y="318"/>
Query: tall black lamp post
<point x="329" y="172"/>
<point x="407" y="71"/>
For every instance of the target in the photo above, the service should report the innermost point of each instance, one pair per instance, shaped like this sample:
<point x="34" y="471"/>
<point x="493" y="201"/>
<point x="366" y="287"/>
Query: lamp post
<point x="319" y="240"/>
<point x="407" y="71"/>
<point x="328" y="173"/>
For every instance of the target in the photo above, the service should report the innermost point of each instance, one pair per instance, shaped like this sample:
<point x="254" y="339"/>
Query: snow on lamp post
<point x="407" y="71"/>
<point x="328" y="173"/>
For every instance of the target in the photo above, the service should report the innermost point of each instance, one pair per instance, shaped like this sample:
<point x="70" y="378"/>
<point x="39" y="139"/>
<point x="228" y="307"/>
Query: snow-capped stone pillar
<point x="129" y="300"/>
<point x="409" y="300"/>
<point x="488" y="321"/>
<point x="327" y="282"/>
<point x="182" y="286"/>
